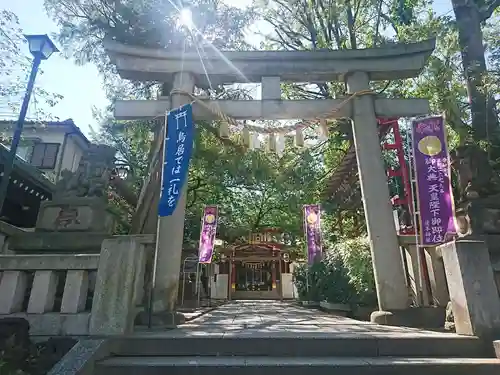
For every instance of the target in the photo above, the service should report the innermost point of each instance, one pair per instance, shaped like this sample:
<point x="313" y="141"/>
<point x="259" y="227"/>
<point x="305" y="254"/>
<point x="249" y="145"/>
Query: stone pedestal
<point x="67" y="225"/>
<point x="120" y="264"/>
<point x="473" y="293"/>
<point x="425" y="317"/>
<point x="75" y="214"/>
<point x="493" y="244"/>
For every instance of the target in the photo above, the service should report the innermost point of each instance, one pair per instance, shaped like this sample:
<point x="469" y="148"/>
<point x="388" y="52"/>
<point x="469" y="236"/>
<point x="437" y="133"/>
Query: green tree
<point x="352" y="24"/>
<point x="252" y="189"/>
<point x="470" y="16"/>
<point x="84" y="24"/>
<point x="15" y="68"/>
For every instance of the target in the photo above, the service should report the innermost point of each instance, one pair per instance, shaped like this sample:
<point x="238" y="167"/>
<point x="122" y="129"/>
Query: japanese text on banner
<point x="432" y="170"/>
<point x="177" y="151"/>
<point x="312" y="229"/>
<point x="208" y="232"/>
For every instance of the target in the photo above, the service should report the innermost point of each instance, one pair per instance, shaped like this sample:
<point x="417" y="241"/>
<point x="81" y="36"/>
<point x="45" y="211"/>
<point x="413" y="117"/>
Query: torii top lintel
<point x="393" y="61"/>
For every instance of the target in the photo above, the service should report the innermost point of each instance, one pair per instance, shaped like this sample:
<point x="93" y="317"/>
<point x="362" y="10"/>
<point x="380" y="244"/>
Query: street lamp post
<point x="41" y="47"/>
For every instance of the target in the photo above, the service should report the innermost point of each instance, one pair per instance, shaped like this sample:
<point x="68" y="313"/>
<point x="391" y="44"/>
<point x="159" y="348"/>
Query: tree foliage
<point x="254" y="189"/>
<point x="15" y="67"/>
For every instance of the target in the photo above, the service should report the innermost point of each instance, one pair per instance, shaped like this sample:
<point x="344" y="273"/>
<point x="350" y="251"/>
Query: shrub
<point x="335" y="284"/>
<point x="307" y="280"/>
<point x="326" y="280"/>
<point x="357" y="259"/>
<point x="344" y="275"/>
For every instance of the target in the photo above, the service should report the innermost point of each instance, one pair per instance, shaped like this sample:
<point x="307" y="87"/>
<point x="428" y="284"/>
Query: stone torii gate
<point x="354" y="67"/>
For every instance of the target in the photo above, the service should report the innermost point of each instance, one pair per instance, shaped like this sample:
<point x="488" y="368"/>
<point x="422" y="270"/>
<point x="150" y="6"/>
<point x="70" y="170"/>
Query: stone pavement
<point x="285" y="319"/>
<point x="280" y="338"/>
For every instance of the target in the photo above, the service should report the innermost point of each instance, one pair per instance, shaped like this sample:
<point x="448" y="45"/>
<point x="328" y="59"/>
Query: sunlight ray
<point x="203" y="65"/>
<point x="183" y="57"/>
<point x="184" y="14"/>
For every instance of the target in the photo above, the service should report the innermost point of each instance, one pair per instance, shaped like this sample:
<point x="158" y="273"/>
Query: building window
<point x="44" y="155"/>
<point x="24" y="151"/>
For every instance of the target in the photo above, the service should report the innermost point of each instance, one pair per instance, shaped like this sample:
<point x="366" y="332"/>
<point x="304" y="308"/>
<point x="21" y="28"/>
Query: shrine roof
<point x="343" y="185"/>
<point x="27" y="172"/>
<point x="257" y="246"/>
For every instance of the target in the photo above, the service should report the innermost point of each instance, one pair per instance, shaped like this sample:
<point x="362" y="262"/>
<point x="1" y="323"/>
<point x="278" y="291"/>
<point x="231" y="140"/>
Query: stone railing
<point x="434" y="273"/>
<point x="30" y="287"/>
<point x="77" y="294"/>
<point x="6" y="232"/>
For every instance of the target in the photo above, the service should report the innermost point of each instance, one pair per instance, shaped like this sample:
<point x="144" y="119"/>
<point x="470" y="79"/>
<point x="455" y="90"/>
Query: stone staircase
<point x="265" y="354"/>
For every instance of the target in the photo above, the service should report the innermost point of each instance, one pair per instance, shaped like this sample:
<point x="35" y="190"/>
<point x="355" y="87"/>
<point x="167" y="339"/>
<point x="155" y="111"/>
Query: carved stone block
<point x="473" y="293"/>
<point x="75" y="214"/>
<point x="479" y="217"/>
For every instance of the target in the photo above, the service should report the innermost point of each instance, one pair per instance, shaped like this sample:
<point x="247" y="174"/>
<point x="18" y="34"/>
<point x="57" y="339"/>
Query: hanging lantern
<point x="271" y="142"/>
<point x="224" y="129"/>
<point x="280" y="144"/>
<point x="299" y="137"/>
<point x="254" y="141"/>
<point x="246" y="137"/>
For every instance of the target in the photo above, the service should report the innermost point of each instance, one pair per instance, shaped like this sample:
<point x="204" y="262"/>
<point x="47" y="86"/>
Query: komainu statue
<point x="478" y="208"/>
<point x="91" y="179"/>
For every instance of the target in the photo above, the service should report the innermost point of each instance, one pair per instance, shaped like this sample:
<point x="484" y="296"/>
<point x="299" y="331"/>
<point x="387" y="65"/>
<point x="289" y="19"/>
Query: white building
<point x="49" y="146"/>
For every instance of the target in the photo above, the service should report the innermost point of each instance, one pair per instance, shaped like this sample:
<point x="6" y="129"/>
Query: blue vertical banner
<point x="178" y="147"/>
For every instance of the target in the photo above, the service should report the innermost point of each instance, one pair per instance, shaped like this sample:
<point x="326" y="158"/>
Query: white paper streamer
<point x="280" y="144"/>
<point x="254" y="141"/>
<point x="323" y="131"/>
<point x="271" y="142"/>
<point x="299" y="138"/>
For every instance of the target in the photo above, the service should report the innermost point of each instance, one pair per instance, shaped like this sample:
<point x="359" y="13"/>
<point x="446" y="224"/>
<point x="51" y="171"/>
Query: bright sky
<point x="81" y="85"/>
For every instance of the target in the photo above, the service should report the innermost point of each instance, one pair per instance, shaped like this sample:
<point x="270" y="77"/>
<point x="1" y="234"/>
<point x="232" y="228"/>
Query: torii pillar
<point x="355" y="67"/>
<point x="386" y="253"/>
<point x="170" y="231"/>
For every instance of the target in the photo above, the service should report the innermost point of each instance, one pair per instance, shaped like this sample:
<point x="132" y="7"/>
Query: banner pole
<point x="210" y="277"/>
<point x="183" y="283"/>
<point x="199" y="257"/>
<point x="155" y="255"/>
<point x="197" y="283"/>
<point x="304" y="213"/>
<point x="416" y="221"/>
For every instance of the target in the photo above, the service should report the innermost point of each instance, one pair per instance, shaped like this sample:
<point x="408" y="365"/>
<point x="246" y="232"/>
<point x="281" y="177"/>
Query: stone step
<point x="294" y="366"/>
<point x="317" y="346"/>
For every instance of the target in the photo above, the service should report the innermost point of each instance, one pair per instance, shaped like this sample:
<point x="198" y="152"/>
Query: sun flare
<point x="186" y="18"/>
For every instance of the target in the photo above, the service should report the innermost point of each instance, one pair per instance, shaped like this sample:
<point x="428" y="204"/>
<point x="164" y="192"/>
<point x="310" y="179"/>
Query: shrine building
<point x="259" y="266"/>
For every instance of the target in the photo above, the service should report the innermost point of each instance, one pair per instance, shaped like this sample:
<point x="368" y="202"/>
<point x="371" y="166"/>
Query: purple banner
<point x="207" y="236"/>
<point x="432" y="170"/>
<point x="312" y="229"/>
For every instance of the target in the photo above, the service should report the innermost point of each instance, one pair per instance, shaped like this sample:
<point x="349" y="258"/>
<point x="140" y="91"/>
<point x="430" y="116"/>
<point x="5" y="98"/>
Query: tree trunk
<point x="470" y="35"/>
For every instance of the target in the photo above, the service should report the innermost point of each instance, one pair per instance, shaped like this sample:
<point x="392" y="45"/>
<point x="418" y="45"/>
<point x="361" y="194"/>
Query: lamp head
<point x="41" y="45"/>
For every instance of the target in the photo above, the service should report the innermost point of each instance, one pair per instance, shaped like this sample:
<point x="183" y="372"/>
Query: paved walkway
<point x="276" y="319"/>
